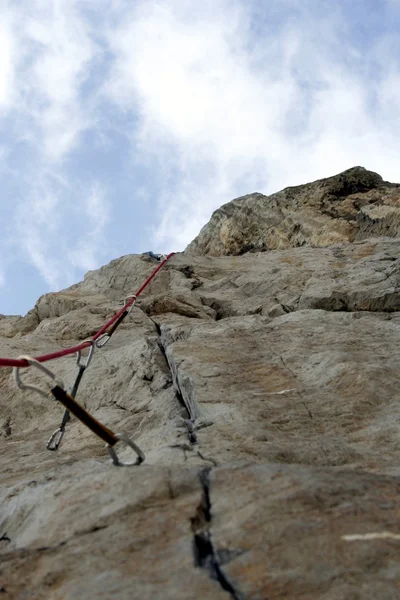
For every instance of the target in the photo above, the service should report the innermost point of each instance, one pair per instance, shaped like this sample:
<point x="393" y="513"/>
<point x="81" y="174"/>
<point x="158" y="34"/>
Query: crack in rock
<point x="164" y="353"/>
<point x="184" y="402"/>
<point x="204" y="552"/>
<point x="192" y="422"/>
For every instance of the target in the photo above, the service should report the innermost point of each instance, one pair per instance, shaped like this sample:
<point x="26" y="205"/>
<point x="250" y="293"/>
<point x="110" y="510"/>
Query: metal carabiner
<point x="55" y="439"/>
<point x="87" y="360"/>
<point x="114" y="457"/>
<point x="35" y="363"/>
<point x="102" y="340"/>
<point x="129" y="310"/>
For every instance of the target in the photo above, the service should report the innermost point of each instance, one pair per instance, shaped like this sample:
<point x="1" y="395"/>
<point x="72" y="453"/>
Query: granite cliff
<point x="259" y="375"/>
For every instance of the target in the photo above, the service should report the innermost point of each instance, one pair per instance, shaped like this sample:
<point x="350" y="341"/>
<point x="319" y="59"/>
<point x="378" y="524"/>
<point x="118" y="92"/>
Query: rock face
<point x="263" y="390"/>
<point x="353" y="205"/>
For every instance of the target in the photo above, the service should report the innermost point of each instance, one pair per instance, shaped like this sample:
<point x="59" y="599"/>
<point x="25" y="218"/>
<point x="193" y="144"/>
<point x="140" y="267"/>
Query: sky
<point x="125" y="123"/>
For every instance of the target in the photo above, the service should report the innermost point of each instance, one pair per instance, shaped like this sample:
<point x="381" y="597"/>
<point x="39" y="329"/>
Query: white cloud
<point x="61" y="231"/>
<point x="37" y="228"/>
<point x="230" y="113"/>
<point x="46" y="50"/>
<point x="62" y="51"/>
<point x="51" y="50"/>
<point x="95" y="211"/>
<point x="6" y="65"/>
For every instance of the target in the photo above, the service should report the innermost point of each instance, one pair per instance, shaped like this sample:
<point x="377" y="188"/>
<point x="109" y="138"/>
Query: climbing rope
<point x="56" y="386"/>
<point x="12" y="362"/>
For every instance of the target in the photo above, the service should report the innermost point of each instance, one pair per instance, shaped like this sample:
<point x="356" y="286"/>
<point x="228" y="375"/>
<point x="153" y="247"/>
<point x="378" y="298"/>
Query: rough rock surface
<point x="349" y="206"/>
<point x="263" y="389"/>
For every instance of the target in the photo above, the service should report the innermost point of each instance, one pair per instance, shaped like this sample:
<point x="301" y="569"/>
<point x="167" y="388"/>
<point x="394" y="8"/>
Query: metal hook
<point x="102" y="340"/>
<point x="35" y="363"/>
<point x="116" y="461"/>
<point x="129" y="310"/>
<point x="55" y="439"/>
<point x="84" y="363"/>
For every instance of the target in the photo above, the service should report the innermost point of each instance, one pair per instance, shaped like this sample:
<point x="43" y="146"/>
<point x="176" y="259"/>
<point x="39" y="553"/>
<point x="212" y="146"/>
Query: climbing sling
<point x="56" y="388"/>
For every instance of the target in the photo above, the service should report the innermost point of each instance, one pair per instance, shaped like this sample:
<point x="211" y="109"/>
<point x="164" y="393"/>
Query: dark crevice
<point x="94" y="529"/>
<point x="181" y="401"/>
<point x="222" y="309"/>
<point x="188" y="422"/>
<point x="286" y="309"/>
<point x="7" y="427"/>
<point x="253" y="248"/>
<point x="158" y="328"/>
<point x="171" y="492"/>
<point x="205" y="555"/>
<point x="163" y="352"/>
<point x="51" y="548"/>
<point x="342" y="302"/>
<point x="206" y="459"/>
<point x="219" y="311"/>
<point x="187" y="271"/>
<point x="204" y="477"/>
<point x="191" y="435"/>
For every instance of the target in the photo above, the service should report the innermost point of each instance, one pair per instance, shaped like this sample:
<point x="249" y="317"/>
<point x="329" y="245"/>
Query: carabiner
<point x="102" y="340"/>
<point x="129" y="309"/>
<point x="55" y="439"/>
<point x="35" y="363"/>
<point x="86" y="361"/>
<point x="114" y="457"/>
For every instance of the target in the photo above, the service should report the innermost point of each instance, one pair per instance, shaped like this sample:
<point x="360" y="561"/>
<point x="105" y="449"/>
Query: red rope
<point x="12" y="362"/>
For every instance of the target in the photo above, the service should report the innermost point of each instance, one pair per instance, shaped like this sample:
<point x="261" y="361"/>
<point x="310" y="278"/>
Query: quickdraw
<point x="12" y="362"/>
<point x="56" y="387"/>
<point x="56" y="437"/>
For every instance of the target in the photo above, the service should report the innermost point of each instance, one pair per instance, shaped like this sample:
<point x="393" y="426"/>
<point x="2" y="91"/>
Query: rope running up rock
<point x="56" y="387"/>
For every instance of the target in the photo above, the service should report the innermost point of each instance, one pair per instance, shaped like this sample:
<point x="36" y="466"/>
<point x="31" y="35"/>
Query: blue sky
<point x="124" y="124"/>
